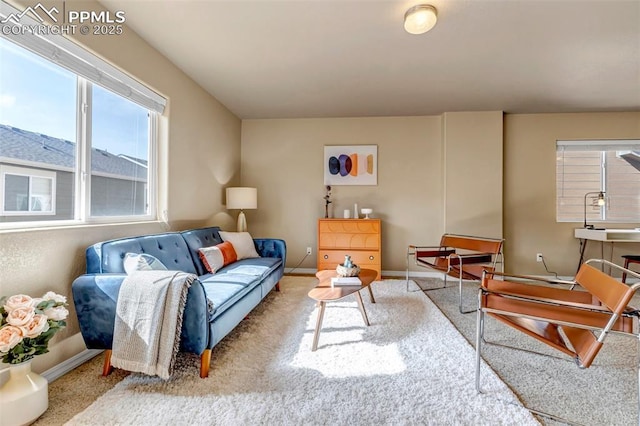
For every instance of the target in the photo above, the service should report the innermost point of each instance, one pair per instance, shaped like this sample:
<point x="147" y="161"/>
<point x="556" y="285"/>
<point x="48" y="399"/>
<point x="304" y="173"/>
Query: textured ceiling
<point x="338" y="58"/>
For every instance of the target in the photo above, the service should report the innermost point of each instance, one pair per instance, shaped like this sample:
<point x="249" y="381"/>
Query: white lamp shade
<point x="242" y="198"/>
<point x="420" y="19"/>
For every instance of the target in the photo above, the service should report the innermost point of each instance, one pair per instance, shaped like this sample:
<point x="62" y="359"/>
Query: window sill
<point x="20" y="228"/>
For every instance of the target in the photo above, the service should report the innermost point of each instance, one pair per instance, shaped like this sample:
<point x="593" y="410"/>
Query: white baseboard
<point x="75" y="361"/>
<point x="300" y="271"/>
<point x="402" y="274"/>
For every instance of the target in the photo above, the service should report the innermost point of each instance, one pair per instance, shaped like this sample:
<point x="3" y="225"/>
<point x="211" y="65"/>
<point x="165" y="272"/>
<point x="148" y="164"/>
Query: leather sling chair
<point x="463" y="257"/>
<point x="572" y="321"/>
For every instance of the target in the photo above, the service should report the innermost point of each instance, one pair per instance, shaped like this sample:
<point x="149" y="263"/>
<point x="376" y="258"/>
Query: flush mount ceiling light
<point x="420" y="19"/>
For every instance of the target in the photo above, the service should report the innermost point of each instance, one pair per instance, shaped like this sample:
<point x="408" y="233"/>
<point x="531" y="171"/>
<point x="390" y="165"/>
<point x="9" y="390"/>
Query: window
<point x="77" y="136"/>
<point x="584" y="168"/>
<point x="27" y="191"/>
<point x="119" y="166"/>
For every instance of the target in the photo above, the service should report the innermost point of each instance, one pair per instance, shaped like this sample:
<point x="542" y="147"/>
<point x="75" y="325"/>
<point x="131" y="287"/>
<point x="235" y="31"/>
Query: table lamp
<point x="600" y="202"/>
<point x="242" y="198"/>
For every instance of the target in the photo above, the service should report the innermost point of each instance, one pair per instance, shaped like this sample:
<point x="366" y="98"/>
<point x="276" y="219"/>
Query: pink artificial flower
<point x="36" y="327"/>
<point x="20" y="317"/>
<point x="10" y="336"/>
<point x="57" y="313"/>
<point x="18" y="301"/>
<point x="58" y="298"/>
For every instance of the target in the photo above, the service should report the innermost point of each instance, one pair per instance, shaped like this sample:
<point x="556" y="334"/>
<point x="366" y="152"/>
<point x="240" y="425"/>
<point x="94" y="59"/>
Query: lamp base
<point x="242" y="222"/>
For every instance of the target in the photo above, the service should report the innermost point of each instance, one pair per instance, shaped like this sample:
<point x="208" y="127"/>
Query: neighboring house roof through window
<point x="54" y="153"/>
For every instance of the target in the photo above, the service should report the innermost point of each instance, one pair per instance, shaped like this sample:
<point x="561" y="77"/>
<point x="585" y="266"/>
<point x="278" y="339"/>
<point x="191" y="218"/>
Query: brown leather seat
<point x="573" y="321"/>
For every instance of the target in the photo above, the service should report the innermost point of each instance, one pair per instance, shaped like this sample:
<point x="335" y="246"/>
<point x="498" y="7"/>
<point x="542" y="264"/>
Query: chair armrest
<point x="542" y="298"/>
<point x="435" y="253"/>
<point x="412" y="246"/>
<point x="553" y="281"/>
<point x="469" y="258"/>
<point x="271" y="247"/>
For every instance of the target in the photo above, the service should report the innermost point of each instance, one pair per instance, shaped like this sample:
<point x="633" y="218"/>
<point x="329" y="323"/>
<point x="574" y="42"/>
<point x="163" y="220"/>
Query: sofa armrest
<point x="95" y="297"/>
<point x="271" y="247"/>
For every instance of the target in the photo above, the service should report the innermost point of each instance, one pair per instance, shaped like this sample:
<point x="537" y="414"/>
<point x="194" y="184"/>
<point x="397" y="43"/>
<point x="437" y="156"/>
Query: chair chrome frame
<point x="602" y="331"/>
<point x="455" y="262"/>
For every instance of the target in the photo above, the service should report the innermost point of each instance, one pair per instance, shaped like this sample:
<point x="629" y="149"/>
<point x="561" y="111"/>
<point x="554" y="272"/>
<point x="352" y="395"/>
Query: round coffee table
<point x="324" y="292"/>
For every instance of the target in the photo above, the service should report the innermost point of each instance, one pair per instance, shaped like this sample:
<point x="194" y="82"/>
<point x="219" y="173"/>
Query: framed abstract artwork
<point x="350" y="164"/>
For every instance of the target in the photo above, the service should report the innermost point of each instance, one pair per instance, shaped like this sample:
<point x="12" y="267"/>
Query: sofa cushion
<point x="242" y="243"/>
<point x="141" y="262"/>
<point x="198" y="238"/>
<point x="223" y="290"/>
<point x="217" y="256"/>
<point x="257" y="266"/>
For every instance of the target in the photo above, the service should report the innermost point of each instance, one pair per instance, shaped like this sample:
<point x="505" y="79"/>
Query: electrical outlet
<point x="538" y="257"/>
<point x="308" y="251"/>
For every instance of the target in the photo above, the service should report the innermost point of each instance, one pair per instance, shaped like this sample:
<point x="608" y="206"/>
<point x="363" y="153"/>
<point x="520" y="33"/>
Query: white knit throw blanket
<point x="146" y="336"/>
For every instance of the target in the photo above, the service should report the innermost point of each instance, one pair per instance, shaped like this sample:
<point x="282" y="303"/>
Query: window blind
<point x="599" y="145"/>
<point x="62" y="51"/>
<point x="590" y="166"/>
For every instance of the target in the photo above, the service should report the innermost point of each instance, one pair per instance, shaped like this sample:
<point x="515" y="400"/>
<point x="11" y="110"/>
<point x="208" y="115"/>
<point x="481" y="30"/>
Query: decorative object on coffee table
<point x="348" y="268"/>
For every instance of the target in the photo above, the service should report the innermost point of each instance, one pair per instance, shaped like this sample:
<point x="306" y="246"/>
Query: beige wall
<point x="283" y="159"/>
<point x="199" y="156"/>
<point x="529" y="187"/>
<point x="473" y="173"/>
<point x="476" y="173"/>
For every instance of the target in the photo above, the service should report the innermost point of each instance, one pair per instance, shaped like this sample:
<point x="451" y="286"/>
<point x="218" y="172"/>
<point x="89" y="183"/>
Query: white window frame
<point x="89" y="70"/>
<point x="603" y="146"/>
<point x="28" y="173"/>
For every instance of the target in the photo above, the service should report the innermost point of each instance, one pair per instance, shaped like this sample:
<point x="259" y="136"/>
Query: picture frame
<point x="350" y="165"/>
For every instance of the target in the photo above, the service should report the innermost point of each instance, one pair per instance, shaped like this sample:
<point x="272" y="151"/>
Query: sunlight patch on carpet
<point x="343" y="326"/>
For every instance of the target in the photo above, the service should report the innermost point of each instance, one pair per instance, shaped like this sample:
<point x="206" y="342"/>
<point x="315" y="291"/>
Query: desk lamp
<point x="599" y="201"/>
<point x="242" y="198"/>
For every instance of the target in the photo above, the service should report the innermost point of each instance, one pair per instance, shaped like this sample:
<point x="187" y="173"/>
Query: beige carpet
<point x="409" y="367"/>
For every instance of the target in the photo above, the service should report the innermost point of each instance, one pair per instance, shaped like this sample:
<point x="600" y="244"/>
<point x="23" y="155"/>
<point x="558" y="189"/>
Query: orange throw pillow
<point x="217" y="256"/>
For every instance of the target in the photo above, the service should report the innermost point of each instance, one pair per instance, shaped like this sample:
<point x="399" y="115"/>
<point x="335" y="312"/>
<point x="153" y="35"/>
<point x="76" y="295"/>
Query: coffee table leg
<point x="316" y="334"/>
<point x="361" y="305"/>
<point x="371" y="294"/>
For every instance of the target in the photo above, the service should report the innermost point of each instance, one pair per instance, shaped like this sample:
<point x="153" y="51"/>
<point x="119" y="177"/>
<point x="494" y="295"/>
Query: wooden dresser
<point x="359" y="238"/>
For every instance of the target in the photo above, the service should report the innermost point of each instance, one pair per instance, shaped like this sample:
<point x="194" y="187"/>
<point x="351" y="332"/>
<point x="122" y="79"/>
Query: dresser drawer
<point x="349" y="241"/>
<point x="349" y="226"/>
<point x="360" y="258"/>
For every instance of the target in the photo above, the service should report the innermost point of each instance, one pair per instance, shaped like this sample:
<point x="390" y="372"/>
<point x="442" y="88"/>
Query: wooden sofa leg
<point x="107" y="368"/>
<point x="278" y="286"/>
<point x="205" y="363"/>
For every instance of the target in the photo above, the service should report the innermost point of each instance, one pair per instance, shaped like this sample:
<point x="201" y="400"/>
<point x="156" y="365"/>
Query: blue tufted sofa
<point x="233" y="291"/>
